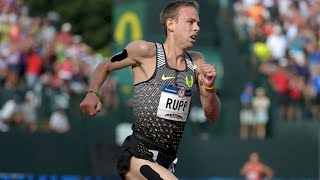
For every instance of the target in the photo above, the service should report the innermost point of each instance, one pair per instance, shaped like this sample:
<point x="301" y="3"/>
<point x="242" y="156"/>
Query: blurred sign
<point x="129" y="18"/>
<point x="128" y="23"/>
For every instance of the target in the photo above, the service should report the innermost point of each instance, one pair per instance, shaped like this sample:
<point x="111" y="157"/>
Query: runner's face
<point x="187" y="27"/>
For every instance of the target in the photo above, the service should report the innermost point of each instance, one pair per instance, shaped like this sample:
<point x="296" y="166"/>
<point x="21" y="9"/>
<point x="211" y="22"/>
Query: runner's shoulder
<point x="196" y="56"/>
<point x="141" y="48"/>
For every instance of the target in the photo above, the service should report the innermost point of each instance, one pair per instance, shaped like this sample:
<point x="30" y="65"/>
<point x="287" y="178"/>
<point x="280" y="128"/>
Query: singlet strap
<point x="161" y="59"/>
<point x="189" y="61"/>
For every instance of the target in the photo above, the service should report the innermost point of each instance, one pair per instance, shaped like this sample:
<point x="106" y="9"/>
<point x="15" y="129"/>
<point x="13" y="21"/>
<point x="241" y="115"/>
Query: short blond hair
<point x="172" y="9"/>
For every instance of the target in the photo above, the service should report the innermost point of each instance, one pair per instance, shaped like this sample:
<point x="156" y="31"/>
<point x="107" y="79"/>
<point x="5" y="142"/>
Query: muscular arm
<point x="137" y="51"/>
<point x="205" y="84"/>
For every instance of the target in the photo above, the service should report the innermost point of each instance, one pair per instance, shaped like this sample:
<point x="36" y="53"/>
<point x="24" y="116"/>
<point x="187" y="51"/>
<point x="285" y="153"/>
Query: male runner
<point x="164" y="76"/>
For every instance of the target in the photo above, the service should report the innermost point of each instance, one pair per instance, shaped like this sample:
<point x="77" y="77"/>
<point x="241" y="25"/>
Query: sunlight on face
<point x="187" y="27"/>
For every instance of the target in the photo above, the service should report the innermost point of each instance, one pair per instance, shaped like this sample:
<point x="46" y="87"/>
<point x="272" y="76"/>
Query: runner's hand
<point x="208" y="73"/>
<point x="91" y="105"/>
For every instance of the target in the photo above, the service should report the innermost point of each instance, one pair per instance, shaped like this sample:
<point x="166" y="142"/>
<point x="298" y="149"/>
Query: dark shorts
<point x="135" y="145"/>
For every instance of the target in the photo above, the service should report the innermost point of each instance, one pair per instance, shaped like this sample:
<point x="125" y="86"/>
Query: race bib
<point x="174" y="103"/>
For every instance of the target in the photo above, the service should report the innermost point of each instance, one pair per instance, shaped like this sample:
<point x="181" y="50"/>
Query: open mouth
<point x="193" y="37"/>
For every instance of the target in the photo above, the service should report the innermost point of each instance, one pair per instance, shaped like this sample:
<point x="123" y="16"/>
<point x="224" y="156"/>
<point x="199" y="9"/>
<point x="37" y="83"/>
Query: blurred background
<point x="267" y="56"/>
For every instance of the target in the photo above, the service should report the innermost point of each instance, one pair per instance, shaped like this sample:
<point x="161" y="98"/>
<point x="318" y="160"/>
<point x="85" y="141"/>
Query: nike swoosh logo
<point x="166" y="78"/>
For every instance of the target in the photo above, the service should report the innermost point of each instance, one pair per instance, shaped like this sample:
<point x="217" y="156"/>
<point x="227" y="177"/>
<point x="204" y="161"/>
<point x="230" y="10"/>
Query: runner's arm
<point x="135" y="51"/>
<point x="206" y="87"/>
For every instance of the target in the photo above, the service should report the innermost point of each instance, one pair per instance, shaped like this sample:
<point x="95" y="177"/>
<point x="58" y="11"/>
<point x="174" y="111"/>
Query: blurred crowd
<point x="284" y="40"/>
<point x="44" y="65"/>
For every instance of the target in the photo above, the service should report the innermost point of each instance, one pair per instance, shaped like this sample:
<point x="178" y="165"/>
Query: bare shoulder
<point x="141" y="49"/>
<point x="196" y="56"/>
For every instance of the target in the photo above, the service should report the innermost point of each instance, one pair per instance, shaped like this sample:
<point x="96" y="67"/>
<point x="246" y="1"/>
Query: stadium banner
<point x="128" y="23"/>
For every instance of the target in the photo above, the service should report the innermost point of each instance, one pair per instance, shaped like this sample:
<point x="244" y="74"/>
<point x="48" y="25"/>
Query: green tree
<point x="89" y="18"/>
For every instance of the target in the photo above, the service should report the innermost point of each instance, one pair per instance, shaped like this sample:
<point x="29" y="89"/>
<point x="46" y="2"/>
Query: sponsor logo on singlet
<point x="164" y="77"/>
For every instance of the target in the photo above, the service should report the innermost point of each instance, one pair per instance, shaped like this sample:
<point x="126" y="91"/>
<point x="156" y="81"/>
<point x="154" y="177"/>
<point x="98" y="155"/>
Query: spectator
<point x="33" y="67"/>
<point x="295" y="94"/>
<point x="246" y="112"/>
<point x="261" y="104"/>
<point x="8" y="113"/>
<point x="64" y="36"/>
<point x="254" y="169"/>
<point x="315" y="80"/>
<point x="277" y="43"/>
<point x="309" y="99"/>
<point x="30" y="111"/>
<point x="279" y="79"/>
<point x="59" y="122"/>
<point x="258" y="13"/>
<point x="48" y="32"/>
